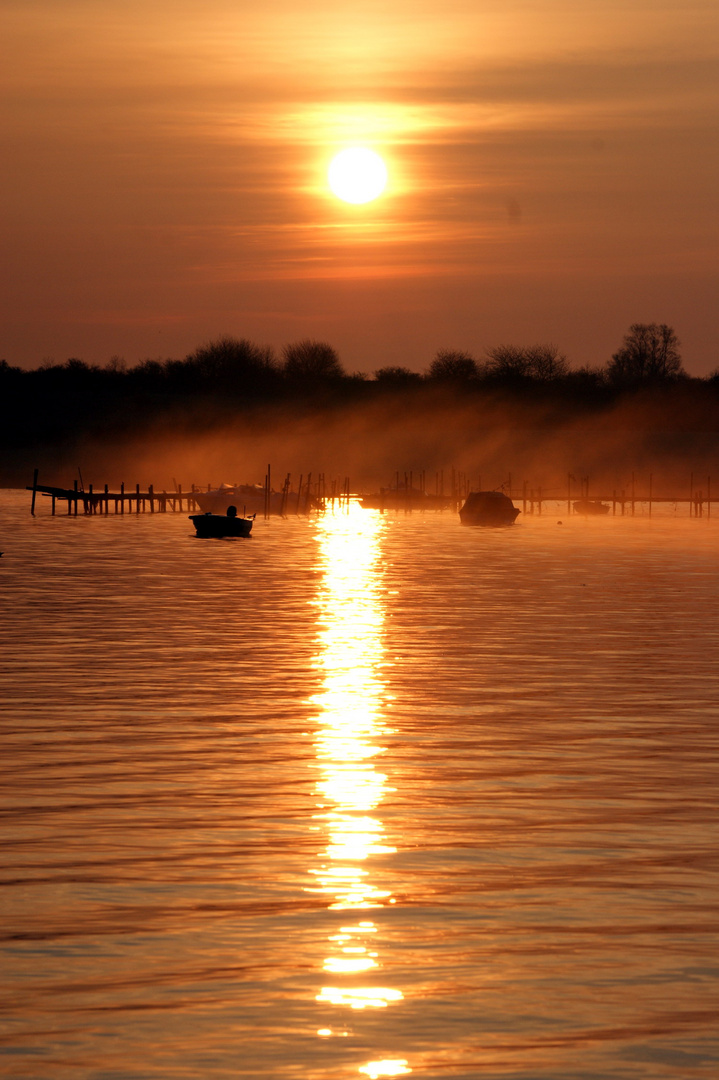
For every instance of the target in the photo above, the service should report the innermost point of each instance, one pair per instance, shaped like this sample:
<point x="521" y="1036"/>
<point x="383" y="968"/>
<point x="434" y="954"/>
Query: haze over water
<point x="363" y="796"/>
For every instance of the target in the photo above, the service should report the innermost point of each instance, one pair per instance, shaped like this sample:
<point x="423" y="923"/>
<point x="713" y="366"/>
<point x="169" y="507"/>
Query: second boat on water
<point x="488" y="508"/>
<point x="590" y="506"/>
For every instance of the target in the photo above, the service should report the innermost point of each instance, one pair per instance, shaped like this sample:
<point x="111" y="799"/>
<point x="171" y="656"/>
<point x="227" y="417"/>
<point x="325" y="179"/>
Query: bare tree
<point x="649" y="351"/>
<point x="545" y="362"/>
<point x="540" y="362"/>
<point x="230" y="357"/>
<point x="507" y="361"/>
<point x="453" y="366"/>
<point x="313" y="360"/>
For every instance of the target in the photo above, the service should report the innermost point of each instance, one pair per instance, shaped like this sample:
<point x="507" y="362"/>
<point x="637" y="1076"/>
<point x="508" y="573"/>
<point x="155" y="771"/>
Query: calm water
<point x="362" y="796"/>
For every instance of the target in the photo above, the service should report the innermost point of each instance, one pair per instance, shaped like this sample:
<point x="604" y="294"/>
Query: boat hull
<point x="217" y="525"/>
<point x="488" y="508"/>
<point x="590" y="506"/>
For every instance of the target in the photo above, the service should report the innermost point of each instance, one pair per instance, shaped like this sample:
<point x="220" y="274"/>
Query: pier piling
<point x="336" y="492"/>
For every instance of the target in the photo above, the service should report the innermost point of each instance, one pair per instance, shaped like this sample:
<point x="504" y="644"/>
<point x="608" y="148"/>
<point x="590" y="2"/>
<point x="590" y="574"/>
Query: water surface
<point x="363" y="796"/>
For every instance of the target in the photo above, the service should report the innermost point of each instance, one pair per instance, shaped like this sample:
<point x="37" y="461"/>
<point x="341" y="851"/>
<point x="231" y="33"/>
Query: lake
<point x="366" y="795"/>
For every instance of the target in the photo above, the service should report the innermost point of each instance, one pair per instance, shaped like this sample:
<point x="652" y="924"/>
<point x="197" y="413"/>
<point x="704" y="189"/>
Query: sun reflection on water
<point x="348" y="747"/>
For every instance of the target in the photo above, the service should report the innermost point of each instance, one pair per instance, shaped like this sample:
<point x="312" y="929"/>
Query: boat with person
<point x="222" y="526"/>
<point x="488" y="508"/>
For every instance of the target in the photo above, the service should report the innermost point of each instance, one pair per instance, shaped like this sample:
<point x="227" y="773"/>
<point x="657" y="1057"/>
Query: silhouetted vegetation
<point x="456" y="367"/>
<point x="537" y="362"/>
<point x="311" y="362"/>
<point x="648" y="352"/>
<point x="397" y="376"/>
<point x="234" y="381"/>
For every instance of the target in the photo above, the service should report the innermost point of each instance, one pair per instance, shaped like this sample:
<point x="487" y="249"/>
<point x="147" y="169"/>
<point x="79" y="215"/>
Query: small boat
<point x="222" y="525"/>
<point x="590" y="506"/>
<point x="488" y="508"/>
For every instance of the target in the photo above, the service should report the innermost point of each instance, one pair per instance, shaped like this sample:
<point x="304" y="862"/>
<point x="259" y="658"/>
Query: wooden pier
<point x="123" y="501"/>
<point x="409" y="493"/>
<point x="451" y="487"/>
<point x="311" y="495"/>
<point x="623" y="501"/>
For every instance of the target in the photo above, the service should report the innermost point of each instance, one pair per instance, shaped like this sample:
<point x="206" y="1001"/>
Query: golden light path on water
<point x="351" y="785"/>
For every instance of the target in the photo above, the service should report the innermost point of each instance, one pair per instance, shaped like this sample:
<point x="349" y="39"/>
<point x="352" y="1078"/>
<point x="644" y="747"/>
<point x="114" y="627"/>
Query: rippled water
<point x="363" y="796"/>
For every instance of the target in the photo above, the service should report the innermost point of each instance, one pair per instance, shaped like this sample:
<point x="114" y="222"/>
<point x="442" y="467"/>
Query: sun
<point x="357" y="175"/>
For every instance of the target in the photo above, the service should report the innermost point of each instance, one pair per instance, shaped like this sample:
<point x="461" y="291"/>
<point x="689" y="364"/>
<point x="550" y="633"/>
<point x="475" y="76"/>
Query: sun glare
<point x="357" y="175"/>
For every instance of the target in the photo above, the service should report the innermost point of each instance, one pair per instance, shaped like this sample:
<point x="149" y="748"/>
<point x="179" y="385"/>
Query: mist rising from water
<point x="488" y="440"/>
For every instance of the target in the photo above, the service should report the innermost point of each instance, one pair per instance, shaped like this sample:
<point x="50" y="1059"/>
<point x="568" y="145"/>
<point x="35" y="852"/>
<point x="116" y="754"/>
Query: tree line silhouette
<point x="55" y="402"/>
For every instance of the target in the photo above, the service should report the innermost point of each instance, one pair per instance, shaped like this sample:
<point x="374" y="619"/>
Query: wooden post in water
<point x="285" y="494"/>
<point x="34" y="492"/>
<point x="651" y="478"/>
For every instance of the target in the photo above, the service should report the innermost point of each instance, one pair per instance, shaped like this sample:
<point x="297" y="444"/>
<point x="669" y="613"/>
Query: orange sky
<point x="553" y="176"/>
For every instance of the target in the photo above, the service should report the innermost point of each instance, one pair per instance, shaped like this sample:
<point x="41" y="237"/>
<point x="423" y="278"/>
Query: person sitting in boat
<point x="232" y="511"/>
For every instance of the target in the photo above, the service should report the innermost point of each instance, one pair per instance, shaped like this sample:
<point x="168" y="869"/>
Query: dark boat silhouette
<point x="590" y="506"/>
<point x="222" y="525"/>
<point x="488" y="508"/>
